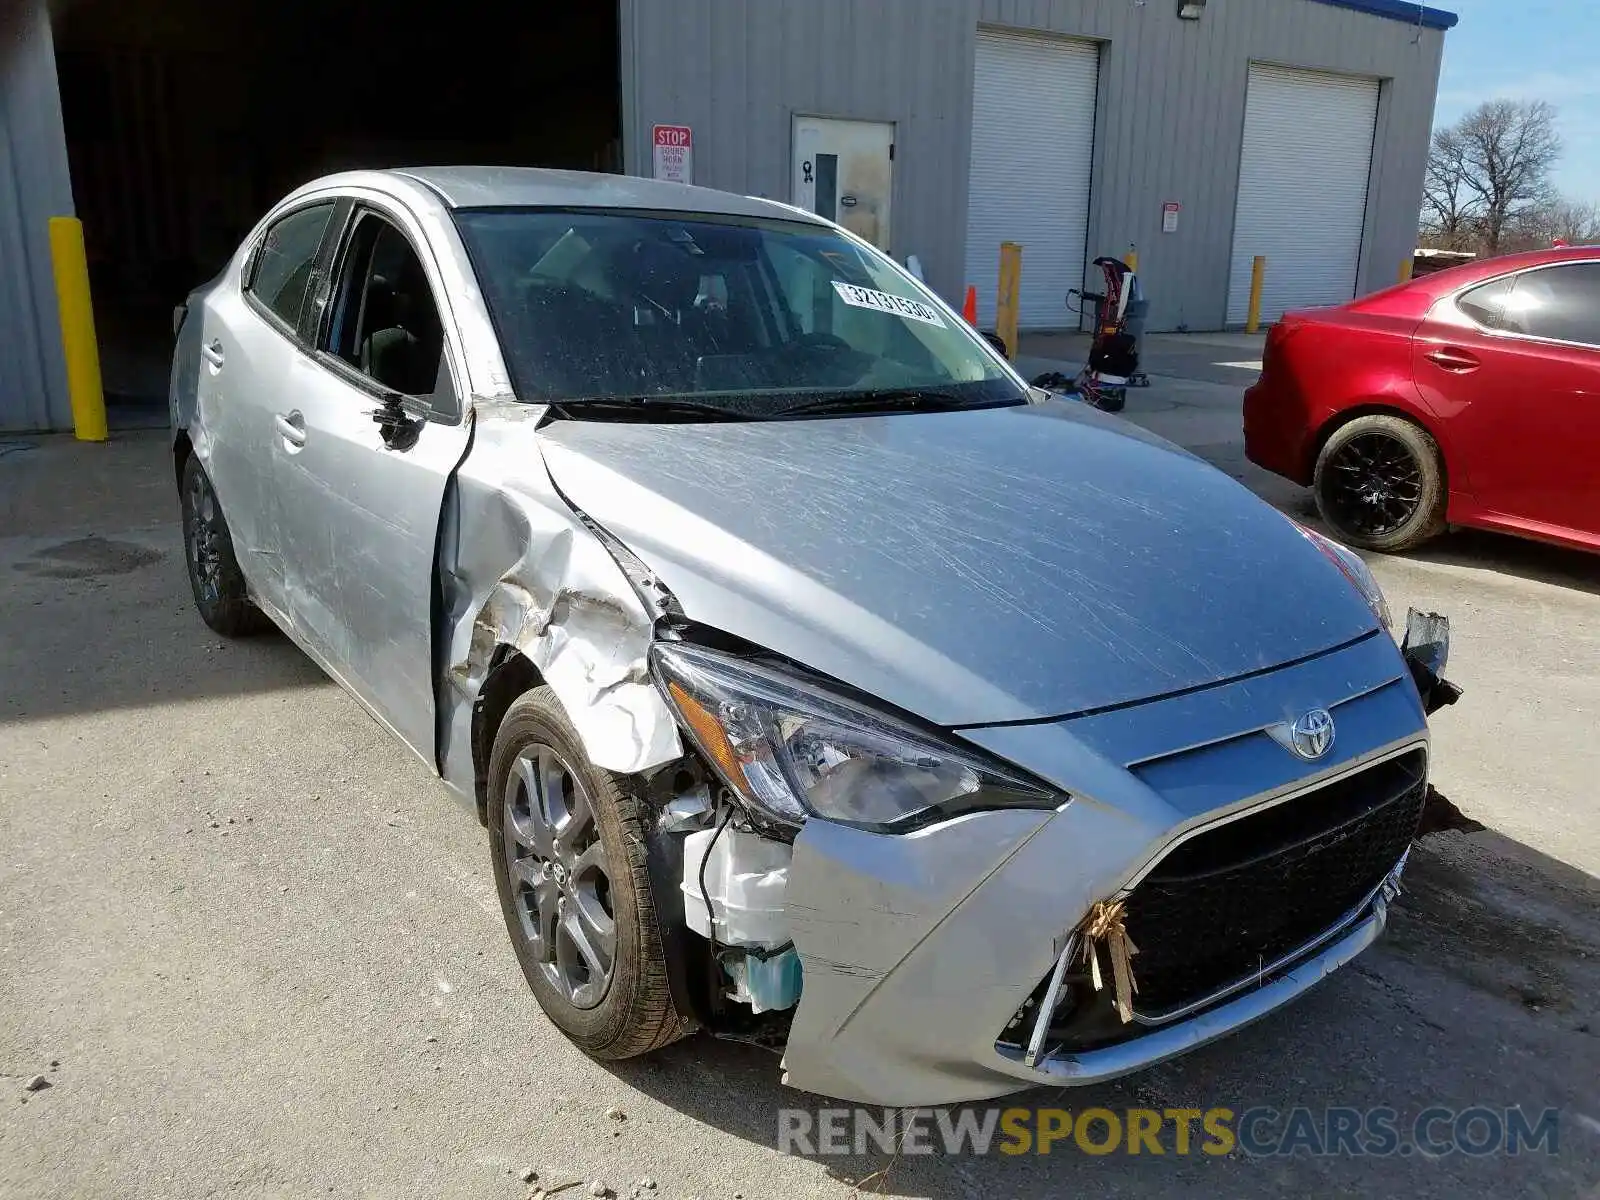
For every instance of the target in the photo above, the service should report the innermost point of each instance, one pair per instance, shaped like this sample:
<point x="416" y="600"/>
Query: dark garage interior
<point x="187" y="119"/>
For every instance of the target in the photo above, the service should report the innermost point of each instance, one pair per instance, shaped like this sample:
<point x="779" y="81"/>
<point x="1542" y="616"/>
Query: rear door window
<point x="285" y="265"/>
<point x="1560" y="303"/>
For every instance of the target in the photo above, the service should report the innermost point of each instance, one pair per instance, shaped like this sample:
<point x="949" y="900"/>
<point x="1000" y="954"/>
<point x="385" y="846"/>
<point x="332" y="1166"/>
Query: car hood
<point x="972" y="567"/>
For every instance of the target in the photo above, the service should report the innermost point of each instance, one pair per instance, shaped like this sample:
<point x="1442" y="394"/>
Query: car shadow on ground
<point x="1492" y="958"/>
<point x="96" y="611"/>
<point x="96" y="622"/>
<point x="1474" y="549"/>
<point x="1526" y="559"/>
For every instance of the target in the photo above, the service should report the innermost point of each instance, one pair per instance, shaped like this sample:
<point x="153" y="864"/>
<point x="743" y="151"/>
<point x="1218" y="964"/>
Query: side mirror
<point x="397" y="425"/>
<point x="995" y="340"/>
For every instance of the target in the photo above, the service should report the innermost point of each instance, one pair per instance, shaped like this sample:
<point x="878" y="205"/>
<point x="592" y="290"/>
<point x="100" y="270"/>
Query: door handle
<point x="213" y="352"/>
<point x="1450" y="358"/>
<point x="291" y="427"/>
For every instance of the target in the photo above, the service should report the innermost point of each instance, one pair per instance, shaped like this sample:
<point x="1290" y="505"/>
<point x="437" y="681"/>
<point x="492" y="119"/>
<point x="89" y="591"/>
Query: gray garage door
<point x="1302" y="188"/>
<point x="1032" y="143"/>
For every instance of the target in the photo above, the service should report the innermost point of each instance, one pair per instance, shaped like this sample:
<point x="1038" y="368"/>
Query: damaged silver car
<point x="818" y="682"/>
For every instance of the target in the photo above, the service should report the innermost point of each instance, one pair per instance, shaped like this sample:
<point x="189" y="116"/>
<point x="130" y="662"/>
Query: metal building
<point x="1296" y="129"/>
<point x="1200" y="132"/>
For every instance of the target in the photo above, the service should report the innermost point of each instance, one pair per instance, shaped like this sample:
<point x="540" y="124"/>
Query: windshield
<point x="702" y="314"/>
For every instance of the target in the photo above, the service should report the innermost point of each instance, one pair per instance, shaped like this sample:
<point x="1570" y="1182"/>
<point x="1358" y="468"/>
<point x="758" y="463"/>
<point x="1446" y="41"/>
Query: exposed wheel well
<point x="1345" y="416"/>
<point x="510" y="675"/>
<point x="182" y="450"/>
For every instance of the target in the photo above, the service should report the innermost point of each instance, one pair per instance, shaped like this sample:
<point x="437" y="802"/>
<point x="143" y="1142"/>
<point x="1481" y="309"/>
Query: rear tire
<point x="594" y="960"/>
<point x="1379" y="484"/>
<point x="214" y="575"/>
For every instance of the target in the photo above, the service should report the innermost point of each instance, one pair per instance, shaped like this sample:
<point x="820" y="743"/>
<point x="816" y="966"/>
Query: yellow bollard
<point x="78" y="343"/>
<point x="1005" y="320"/>
<point x="1407" y="265"/>
<point x="1258" y="277"/>
<point x="1131" y="258"/>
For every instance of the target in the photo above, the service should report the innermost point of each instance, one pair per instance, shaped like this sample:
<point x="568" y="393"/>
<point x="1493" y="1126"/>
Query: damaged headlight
<point x="1356" y="571"/>
<point x="793" y="750"/>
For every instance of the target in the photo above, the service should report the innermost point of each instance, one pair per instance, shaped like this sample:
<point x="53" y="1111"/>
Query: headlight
<point x="1356" y="571"/>
<point x="793" y="750"/>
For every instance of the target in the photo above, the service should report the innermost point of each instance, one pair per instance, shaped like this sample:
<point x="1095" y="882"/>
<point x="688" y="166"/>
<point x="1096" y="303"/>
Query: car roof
<point x="535" y="187"/>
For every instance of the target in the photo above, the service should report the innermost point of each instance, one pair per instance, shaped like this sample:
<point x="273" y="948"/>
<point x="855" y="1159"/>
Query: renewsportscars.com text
<point x="1258" y="1132"/>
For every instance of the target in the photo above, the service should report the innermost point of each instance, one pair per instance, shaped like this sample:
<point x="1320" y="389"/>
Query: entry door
<point x="360" y="503"/>
<point x="844" y="171"/>
<point x="1303" y="177"/>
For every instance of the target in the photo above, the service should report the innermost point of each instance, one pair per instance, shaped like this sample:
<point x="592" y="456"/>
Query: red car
<point x="1470" y="397"/>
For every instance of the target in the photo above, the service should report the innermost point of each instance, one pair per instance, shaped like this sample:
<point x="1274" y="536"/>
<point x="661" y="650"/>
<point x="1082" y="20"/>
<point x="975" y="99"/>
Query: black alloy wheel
<point x="214" y="575"/>
<point x="1379" y="483"/>
<point x="1374" y="484"/>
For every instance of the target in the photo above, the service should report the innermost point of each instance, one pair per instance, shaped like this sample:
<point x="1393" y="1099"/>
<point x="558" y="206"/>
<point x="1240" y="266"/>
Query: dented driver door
<point x="363" y="459"/>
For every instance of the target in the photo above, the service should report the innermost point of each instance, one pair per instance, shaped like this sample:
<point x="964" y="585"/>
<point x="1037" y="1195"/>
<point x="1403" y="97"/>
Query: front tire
<point x="214" y="575"/>
<point x="1379" y="484"/>
<point x="568" y="850"/>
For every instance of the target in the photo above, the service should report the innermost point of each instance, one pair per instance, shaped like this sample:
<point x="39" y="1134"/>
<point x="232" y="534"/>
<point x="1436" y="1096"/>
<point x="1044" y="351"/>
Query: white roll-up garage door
<point x="1032" y="144"/>
<point x="1303" y="179"/>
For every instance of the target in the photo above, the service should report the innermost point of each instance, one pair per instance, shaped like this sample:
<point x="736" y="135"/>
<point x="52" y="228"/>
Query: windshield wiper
<point x="643" y="408"/>
<point x="898" y="400"/>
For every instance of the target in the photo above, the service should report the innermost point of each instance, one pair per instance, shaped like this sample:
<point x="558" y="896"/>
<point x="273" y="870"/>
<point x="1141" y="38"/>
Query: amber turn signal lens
<point x="708" y="730"/>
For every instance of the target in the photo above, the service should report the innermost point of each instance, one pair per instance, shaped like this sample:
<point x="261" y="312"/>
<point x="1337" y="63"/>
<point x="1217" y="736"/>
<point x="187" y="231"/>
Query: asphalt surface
<point x="255" y="949"/>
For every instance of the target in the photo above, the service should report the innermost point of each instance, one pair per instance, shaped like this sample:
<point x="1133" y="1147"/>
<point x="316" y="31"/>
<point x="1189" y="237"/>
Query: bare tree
<point x="1574" y="222"/>
<point x="1449" y="207"/>
<point x="1508" y="148"/>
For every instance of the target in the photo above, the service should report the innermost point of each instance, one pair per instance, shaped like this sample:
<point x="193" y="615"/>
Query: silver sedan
<point x="816" y="679"/>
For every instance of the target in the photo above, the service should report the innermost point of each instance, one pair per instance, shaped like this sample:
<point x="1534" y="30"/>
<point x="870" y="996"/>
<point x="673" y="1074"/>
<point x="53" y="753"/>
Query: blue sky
<point x="1531" y="50"/>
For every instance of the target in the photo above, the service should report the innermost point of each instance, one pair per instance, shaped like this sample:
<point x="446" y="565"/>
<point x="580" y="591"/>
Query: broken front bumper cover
<point x="925" y="955"/>
<point x="1426" y="650"/>
<point x="930" y="1012"/>
<point x="1251" y="1001"/>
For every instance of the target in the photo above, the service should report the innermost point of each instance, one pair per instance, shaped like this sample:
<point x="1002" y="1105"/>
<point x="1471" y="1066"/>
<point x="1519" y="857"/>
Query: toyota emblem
<point x="1312" y="735"/>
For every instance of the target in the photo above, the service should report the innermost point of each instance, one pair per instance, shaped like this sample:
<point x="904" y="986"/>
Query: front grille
<point x="1231" y="901"/>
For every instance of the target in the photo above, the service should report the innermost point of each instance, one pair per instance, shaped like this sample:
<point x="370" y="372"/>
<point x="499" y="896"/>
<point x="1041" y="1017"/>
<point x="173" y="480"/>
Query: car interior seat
<point x="406" y="340"/>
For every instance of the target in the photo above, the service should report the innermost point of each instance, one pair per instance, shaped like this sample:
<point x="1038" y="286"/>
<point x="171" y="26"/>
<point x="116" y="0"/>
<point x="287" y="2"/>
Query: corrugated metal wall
<point x="1169" y="123"/>
<point x="738" y="70"/>
<point x="34" y="186"/>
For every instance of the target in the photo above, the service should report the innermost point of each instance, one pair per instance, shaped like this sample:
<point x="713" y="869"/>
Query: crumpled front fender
<point x="519" y="568"/>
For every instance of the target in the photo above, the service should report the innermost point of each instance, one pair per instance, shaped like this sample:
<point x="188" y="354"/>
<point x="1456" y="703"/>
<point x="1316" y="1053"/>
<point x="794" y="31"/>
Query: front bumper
<point x="1299" y="975"/>
<point x="920" y="951"/>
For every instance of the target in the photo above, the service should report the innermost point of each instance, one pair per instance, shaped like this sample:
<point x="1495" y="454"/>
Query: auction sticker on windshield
<point x="900" y="306"/>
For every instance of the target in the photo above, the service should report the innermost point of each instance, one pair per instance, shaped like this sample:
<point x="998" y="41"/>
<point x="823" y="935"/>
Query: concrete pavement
<point x="256" y="950"/>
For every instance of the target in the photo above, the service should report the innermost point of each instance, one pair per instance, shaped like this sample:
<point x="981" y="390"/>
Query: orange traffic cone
<point x="969" y="310"/>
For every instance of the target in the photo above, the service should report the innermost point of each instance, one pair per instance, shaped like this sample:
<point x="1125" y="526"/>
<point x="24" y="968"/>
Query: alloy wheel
<point x="205" y="540"/>
<point x="557" y="868"/>
<point x="1374" y="485"/>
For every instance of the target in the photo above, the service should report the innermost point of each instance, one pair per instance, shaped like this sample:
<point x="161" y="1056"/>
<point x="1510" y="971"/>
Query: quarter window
<point x="287" y="261"/>
<point x="1561" y="303"/>
<point x="1484" y="303"/>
